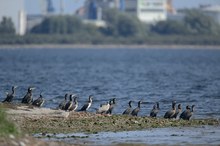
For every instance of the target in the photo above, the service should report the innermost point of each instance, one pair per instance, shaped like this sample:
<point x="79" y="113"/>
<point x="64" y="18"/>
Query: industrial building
<point x="94" y="8"/>
<point x="148" y="11"/>
<point x="16" y="12"/>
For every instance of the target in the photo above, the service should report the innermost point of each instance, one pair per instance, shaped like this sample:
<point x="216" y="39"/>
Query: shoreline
<point x="40" y="120"/>
<point x="49" y="123"/>
<point x="106" y="46"/>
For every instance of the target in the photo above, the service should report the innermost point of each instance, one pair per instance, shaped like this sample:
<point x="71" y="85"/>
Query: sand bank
<point x="44" y="120"/>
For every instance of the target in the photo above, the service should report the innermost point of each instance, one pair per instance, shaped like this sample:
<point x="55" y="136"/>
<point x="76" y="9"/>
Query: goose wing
<point x="9" y="98"/>
<point x="85" y="107"/>
<point x="127" y="111"/>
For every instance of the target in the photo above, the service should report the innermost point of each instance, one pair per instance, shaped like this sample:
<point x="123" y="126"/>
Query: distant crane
<point x="61" y="7"/>
<point x="169" y="7"/>
<point x="50" y="8"/>
<point x="47" y="7"/>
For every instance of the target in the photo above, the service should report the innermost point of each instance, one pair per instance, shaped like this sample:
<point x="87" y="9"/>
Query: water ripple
<point x="187" y="76"/>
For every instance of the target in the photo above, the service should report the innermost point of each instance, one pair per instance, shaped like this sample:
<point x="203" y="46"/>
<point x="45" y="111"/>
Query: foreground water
<point x="185" y="75"/>
<point x="205" y="135"/>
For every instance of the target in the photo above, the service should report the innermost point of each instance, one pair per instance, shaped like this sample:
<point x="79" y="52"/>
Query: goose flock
<point x="72" y="105"/>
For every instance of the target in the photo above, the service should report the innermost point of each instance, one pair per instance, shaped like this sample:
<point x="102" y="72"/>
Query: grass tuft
<point x="6" y="127"/>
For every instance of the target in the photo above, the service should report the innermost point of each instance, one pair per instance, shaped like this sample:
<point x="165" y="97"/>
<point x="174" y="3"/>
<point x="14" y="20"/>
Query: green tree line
<point x="7" y="26"/>
<point x="121" y="28"/>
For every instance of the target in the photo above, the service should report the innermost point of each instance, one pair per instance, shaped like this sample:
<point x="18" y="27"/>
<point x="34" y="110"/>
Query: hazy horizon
<point x="70" y="6"/>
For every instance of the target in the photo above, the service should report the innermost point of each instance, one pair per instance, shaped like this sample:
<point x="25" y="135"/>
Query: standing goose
<point x="178" y="110"/>
<point x="184" y="114"/>
<point x="191" y="113"/>
<point x="9" y="96"/>
<point x="74" y="105"/>
<point x="27" y="99"/>
<point x="112" y="105"/>
<point x="63" y="103"/>
<point x="103" y="108"/>
<point x="187" y="114"/>
<point x="39" y="102"/>
<point x="155" y="110"/>
<point x="128" y="110"/>
<point x="137" y="109"/>
<point x="69" y="103"/>
<point x="169" y="114"/>
<point x="87" y="105"/>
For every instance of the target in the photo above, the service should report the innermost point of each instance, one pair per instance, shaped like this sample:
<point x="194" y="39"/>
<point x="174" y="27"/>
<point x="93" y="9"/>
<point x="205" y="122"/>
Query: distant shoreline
<point x="105" y="46"/>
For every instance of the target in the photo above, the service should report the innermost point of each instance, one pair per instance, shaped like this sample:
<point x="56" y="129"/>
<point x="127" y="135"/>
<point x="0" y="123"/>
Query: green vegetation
<point x="7" y="26"/>
<point x="195" y="28"/>
<point x="59" y="25"/>
<point x="6" y="127"/>
<point x="169" y="27"/>
<point x="194" y="23"/>
<point x="120" y="24"/>
<point x="198" y="23"/>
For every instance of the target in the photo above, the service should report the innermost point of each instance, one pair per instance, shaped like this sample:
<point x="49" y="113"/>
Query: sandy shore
<point x="107" y="46"/>
<point x="31" y="120"/>
<point x="43" y="120"/>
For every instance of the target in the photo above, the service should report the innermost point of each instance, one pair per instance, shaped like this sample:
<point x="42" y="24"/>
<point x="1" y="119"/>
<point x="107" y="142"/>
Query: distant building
<point x="213" y="11"/>
<point x="94" y="8"/>
<point x="15" y="11"/>
<point x="148" y="11"/>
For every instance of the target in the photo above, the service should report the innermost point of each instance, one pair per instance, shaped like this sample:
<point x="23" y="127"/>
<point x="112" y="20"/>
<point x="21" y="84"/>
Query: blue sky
<point x="36" y="6"/>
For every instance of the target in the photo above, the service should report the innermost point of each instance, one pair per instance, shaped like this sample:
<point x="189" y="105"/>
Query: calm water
<point x="187" y="76"/>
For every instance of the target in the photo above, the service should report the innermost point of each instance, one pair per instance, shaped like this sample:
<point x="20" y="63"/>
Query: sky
<point x="37" y="6"/>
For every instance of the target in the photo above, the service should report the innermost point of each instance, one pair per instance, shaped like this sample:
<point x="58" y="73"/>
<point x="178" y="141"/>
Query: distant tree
<point x="169" y="27"/>
<point x="90" y="29"/>
<point x="7" y="26"/>
<point x="59" y="25"/>
<point x="127" y="26"/>
<point x="199" y="23"/>
<point x="194" y="22"/>
<point x="74" y="24"/>
<point x="121" y="24"/>
<point x="111" y="18"/>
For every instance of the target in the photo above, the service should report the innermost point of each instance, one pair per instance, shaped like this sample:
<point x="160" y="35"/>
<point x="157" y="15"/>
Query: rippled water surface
<point x="205" y="135"/>
<point x="186" y="75"/>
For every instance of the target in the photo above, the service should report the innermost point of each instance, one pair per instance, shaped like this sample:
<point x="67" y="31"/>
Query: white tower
<point x="22" y="21"/>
